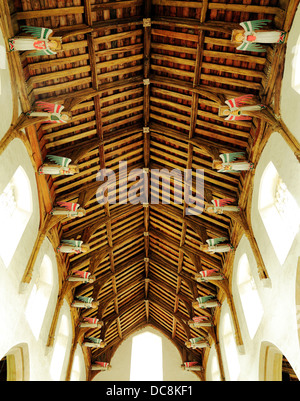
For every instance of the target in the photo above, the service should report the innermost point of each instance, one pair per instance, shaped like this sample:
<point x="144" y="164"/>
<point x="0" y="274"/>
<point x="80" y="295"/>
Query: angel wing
<point x="194" y="340"/>
<point x="202" y="300"/>
<point x="199" y="319"/>
<point x="237" y="102"/>
<point x="252" y="47"/>
<point x="238" y="118"/>
<point x="208" y="273"/>
<point x="251" y="26"/>
<point x="94" y="340"/>
<point x="215" y="241"/>
<point x="222" y="202"/>
<point x="72" y="242"/>
<point x="189" y="364"/>
<point x="37" y="32"/>
<point x="103" y="364"/>
<point x="50" y="107"/>
<point x="230" y="157"/>
<point x="59" y="160"/>
<point x="85" y="299"/>
<point x="72" y="207"/>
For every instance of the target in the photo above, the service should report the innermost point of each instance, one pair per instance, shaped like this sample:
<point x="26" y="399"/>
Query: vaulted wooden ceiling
<point x="145" y="257"/>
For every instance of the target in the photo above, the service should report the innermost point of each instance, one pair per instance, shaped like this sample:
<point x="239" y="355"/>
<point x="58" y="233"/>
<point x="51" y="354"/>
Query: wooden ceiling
<point x="145" y="257"/>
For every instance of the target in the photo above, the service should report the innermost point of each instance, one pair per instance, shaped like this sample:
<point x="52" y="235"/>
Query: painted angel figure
<point x="230" y="164"/>
<point x="236" y="110"/>
<point x="39" y="39"/>
<point x="200" y="321"/>
<point x="221" y="205"/>
<point x="94" y="342"/>
<point x="81" y="276"/>
<point x="51" y="112"/>
<point x="97" y="365"/>
<point x="72" y="246"/>
<point x="91" y="322"/>
<point x="84" y="302"/>
<point x="216" y="245"/>
<point x="209" y="275"/>
<point x="68" y="209"/>
<point x="59" y="166"/>
<point x="192" y="366"/>
<point x="197" y="342"/>
<point x="252" y="35"/>
<point x="208" y="301"/>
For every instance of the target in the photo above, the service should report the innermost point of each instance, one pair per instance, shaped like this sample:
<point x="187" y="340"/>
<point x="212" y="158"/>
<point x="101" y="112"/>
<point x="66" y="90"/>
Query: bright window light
<point x="279" y="212"/>
<point x="60" y="346"/>
<point x="296" y="68"/>
<point x="251" y="303"/>
<point x="3" y="65"/>
<point x="231" y="352"/>
<point x="39" y="297"/>
<point x="215" y="370"/>
<point x="15" y="212"/>
<point x="146" y="358"/>
<point x="75" y="374"/>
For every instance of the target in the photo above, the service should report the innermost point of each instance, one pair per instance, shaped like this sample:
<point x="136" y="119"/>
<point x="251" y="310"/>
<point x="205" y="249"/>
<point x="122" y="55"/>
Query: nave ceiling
<point x="144" y="81"/>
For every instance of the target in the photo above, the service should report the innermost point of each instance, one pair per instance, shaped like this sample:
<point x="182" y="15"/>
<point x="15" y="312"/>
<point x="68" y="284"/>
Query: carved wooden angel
<point x="52" y="113"/>
<point x="60" y="166"/>
<point x="209" y="275"/>
<point x="91" y="322"/>
<point x="221" y="205"/>
<point x="84" y="302"/>
<point x="236" y="109"/>
<point x="232" y="163"/>
<point x="252" y="35"/>
<point x="81" y="276"/>
<point x="39" y="39"/>
<point x="97" y="365"/>
<point x="200" y="321"/>
<point x="197" y="342"/>
<point x="192" y="366"/>
<point x="72" y="246"/>
<point x="68" y="209"/>
<point x="217" y="245"/>
<point x="94" y="342"/>
<point x="208" y="301"/>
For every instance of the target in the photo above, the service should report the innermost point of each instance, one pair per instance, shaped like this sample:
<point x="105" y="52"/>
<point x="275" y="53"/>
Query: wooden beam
<point x="50" y="12"/>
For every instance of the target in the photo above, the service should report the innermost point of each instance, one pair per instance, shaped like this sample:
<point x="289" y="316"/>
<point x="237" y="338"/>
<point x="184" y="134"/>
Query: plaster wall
<point x="278" y="325"/>
<point x="15" y="328"/>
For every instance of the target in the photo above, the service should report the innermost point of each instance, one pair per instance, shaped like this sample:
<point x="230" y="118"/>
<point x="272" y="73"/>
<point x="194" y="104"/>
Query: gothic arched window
<point x="296" y="68"/>
<point x="279" y="211"/>
<point x="60" y="346"/>
<point x="39" y="297"/>
<point x="230" y="348"/>
<point x="15" y="212"/>
<point x="146" y="358"/>
<point x="212" y="368"/>
<point x="249" y="296"/>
